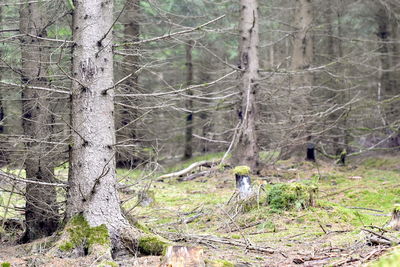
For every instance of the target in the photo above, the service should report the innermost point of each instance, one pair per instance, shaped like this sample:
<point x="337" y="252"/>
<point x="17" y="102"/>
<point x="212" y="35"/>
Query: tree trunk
<point x="3" y="149"/>
<point x="41" y="210"/>
<point x="127" y="135"/>
<point x="246" y="150"/>
<point x="189" y="103"/>
<point x="302" y="58"/>
<point x="92" y="178"/>
<point x="386" y="34"/>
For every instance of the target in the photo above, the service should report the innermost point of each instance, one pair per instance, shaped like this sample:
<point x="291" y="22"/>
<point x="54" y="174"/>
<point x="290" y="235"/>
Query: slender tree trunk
<point x="41" y="210"/>
<point x="246" y="150"/>
<point x="386" y="34"/>
<point x="127" y="134"/>
<point x="92" y="179"/>
<point x="302" y="58"/>
<point x="189" y="103"/>
<point x="1" y="72"/>
<point x="3" y="145"/>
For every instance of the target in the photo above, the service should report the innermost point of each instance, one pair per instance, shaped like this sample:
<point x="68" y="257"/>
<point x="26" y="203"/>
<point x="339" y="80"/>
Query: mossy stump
<point x="243" y="181"/>
<point x="394" y="222"/>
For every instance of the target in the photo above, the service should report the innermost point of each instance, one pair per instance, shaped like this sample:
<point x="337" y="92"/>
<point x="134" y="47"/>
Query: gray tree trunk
<point x="2" y="158"/>
<point x="127" y="136"/>
<point x="246" y="150"/>
<point x="302" y="57"/>
<point x="387" y="32"/>
<point x="41" y="210"/>
<point x="92" y="177"/>
<point x="189" y="102"/>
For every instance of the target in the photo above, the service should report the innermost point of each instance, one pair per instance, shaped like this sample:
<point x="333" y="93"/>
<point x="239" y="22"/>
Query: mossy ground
<point x="334" y="223"/>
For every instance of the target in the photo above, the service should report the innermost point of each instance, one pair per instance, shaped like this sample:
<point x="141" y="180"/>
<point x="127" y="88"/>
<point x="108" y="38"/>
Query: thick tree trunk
<point x="189" y="103"/>
<point x="246" y="150"/>
<point x="92" y="178"/>
<point x="127" y="136"/>
<point x="41" y="210"/>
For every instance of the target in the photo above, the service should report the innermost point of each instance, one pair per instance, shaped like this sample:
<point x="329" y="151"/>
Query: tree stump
<point x="394" y="222"/>
<point x="310" y="152"/>
<point x="180" y="256"/>
<point x="243" y="181"/>
<point x="342" y="157"/>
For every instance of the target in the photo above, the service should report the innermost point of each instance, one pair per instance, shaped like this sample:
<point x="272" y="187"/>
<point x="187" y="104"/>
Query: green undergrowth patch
<point x="292" y="196"/>
<point x="386" y="163"/>
<point x="151" y="244"/>
<point x="391" y="259"/>
<point x="284" y="216"/>
<point x="219" y="263"/>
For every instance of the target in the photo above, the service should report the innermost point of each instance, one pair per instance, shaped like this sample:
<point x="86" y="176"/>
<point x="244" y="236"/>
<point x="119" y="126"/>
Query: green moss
<point x="219" y="263"/>
<point x="81" y="234"/>
<point x="142" y="227"/>
<point x="389" y="260"/>
<point x="379" y="163"/>
<point x="293" y="195"/>
<point x="108" y="264"/>
<point x="152" y="245"/>
<point x="67" y="246"/>
<point x="5" y="264"/>
<point x="241" y="170"/>
<point x="98" y="235"/>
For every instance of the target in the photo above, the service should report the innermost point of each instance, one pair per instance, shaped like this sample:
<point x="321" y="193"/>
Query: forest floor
<point x="352" y="202"/>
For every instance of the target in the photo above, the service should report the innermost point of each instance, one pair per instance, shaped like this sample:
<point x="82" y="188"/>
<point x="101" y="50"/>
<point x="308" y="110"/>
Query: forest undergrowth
<point x="352" y="203"/>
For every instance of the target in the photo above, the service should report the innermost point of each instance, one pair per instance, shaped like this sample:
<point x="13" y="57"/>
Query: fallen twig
<point x="361" y="208"/>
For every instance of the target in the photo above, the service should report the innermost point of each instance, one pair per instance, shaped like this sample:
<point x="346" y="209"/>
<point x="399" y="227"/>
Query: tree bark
<point x="127" y="134"/>
<point x="302" y="58"/>
<point x="92" y="177"/>
<point x="387" y="32"/>
<point x="41" y="210"/>
<point x="189" y="103"/>
<point x="246" y="150"/>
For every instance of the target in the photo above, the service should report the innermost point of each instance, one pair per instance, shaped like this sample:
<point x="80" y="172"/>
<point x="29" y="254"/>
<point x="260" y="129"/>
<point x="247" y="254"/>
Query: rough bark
<point x="189" y="103"/>
<point x="302" y="57"/>
<point x="92" y="178"/>
<point x="41" y="210"/>
<point x="387" y="32"/>
<point x="340" y="133"/>
<point x="3" y="155"/>
<point x="127" y="134"/>
<point x="246" y="150"/>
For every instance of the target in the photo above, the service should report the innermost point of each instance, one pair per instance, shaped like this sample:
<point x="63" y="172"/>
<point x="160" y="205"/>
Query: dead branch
<point x="170" y="35"/>
<point x="361" y="208"/>
<point x="195" y="175"/>
<point x="14" y="178"/>
<point x="207" y="163"/>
